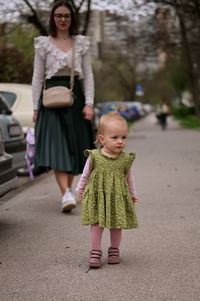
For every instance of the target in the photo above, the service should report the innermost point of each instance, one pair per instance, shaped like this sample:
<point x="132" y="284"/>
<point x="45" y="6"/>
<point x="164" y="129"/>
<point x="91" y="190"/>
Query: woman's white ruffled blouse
<point x="49" y="60"/>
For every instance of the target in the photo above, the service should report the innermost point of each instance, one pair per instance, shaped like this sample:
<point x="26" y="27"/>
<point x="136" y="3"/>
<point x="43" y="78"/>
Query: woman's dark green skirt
<point x="62" y="134"/>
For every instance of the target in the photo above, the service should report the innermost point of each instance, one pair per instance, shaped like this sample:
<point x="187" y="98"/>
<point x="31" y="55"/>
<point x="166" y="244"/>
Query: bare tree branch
<point x="34" y="19"/>
<point x="87" y="18"/>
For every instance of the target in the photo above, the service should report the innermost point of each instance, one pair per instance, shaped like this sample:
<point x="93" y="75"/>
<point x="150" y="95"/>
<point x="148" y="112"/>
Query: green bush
<point x="183" y="111"/>
<point x="187" y="117"/>
<point x="13" y="67"/>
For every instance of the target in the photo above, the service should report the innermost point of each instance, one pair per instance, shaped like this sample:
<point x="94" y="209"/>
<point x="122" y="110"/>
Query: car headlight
<point x="14" y="130"/>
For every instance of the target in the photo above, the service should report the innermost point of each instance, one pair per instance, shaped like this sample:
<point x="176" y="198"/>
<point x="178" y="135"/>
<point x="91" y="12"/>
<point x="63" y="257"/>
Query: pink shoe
<point x="95" y="258"/>
<point x="113" y="255"/>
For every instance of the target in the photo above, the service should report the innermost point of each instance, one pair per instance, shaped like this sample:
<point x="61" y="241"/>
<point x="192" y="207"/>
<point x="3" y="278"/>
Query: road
<point x="44" y="253"/>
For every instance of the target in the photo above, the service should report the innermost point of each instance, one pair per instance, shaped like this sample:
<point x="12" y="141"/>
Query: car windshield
<point x="9" y="97"/>
<point x="3" y="105"/>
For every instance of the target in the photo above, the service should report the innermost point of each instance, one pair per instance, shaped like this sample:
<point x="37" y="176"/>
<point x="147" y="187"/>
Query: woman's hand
<point x="88" y="112"/>
<point x="35" y="113"/>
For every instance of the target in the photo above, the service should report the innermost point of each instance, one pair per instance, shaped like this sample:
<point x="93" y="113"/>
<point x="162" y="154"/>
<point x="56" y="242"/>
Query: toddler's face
<point x="114" y="137"/>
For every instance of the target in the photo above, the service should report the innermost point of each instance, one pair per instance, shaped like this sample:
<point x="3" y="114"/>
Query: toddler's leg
<point x="115" y="240"/>
<point x="95" y="237"/>
<point x="95" y="242"/>
<point x="115" y="237"/>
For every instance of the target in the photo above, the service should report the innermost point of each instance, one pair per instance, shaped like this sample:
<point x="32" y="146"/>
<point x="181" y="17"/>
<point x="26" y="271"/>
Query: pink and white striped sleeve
<point x="131" y="185"/>
<point x="84" y="177"/>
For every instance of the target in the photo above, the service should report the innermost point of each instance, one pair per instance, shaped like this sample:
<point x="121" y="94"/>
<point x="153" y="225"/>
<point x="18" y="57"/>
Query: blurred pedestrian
<point x="162" y="112"/>
<point x="62" y="134"/>
<point x="107" y="189"/>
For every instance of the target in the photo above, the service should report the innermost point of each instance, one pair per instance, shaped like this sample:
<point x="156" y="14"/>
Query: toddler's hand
<point x="81" y="196"/>
<point x="135" y="199"/>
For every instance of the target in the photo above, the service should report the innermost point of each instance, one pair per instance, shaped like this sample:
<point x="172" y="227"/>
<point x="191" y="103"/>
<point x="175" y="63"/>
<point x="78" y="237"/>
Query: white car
<point x="19" y="98"/>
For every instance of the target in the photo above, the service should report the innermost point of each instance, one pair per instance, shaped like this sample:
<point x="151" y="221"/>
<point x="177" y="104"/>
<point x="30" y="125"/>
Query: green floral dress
<point x="107" y="200"/>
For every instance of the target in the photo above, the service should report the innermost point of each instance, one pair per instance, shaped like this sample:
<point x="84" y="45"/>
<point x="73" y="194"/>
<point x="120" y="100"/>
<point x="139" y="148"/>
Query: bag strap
<point x="72" y="65"/>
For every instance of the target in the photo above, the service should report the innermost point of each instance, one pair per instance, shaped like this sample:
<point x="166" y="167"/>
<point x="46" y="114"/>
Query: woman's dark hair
<point x="52" y="25"/>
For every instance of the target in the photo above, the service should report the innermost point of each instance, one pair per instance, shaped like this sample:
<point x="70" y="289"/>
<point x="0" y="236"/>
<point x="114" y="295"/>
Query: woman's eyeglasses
<point x="60" y="16"/>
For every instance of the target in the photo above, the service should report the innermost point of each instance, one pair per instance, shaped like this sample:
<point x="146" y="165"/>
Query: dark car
<point x="13" y="137"/>
<point x="106" y="107"/>
<point x="7" y="171"/>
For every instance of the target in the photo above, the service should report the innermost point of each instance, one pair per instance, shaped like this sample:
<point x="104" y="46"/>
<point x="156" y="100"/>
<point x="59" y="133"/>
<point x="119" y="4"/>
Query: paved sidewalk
<point x="43" y="253"/>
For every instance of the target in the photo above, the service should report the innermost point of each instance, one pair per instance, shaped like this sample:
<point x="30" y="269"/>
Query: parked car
<point x="129" y="110"/>
<point x="148" y="108"/>
<point x="19" y="98"/>
<point x="13" y="137"/>
<point x="137" y="108"/>
<point x="106" y="107"/>
<point x="129" y="114"/>
<point x="7" y="171"/>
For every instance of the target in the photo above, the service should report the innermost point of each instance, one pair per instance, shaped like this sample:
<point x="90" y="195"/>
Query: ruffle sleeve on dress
<point x="82" y="44"/>
<point x="89" y="153"/>
<point x="40" y="45"/>
<point x="132" y="156"/>
<point x="130" y="159"/>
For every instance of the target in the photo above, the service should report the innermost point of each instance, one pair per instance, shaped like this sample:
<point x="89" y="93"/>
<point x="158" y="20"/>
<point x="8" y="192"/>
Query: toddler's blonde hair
<point x="105" y="119"/>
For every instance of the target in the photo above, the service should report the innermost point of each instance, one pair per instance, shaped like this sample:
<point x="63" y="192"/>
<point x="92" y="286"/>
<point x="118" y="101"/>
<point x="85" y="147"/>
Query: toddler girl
<point x="107" y="189"/>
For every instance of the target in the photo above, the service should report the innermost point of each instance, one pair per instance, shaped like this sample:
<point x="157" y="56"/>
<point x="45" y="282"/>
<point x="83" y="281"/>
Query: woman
<point x="62" y="134"/>
<point x="163" y="111"/>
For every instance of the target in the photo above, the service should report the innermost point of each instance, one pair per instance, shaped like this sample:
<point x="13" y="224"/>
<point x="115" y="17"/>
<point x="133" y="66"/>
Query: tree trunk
<point x="193" y="75"/>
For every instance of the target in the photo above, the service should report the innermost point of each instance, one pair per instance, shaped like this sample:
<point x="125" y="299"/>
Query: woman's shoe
<point x="68" y="201"/>
<point x="95" y="258"/>
<point x="113" y="255"/>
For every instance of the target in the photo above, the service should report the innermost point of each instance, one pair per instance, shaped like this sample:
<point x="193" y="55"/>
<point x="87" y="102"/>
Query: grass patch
<point x="186" y="116"/>
<point x="189" y="121"/>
